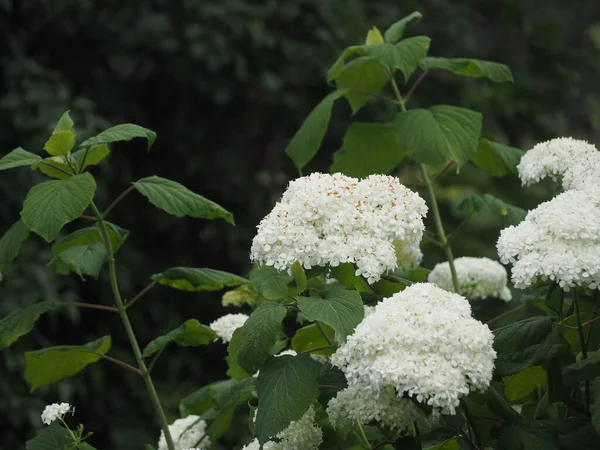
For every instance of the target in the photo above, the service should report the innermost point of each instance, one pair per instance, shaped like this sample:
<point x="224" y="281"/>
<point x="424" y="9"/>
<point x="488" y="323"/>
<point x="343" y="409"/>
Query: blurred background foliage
<point x="226" y="83"/>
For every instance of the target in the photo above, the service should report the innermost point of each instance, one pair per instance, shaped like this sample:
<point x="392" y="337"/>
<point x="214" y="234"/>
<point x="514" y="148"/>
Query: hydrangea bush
<point x="377" y="351"/>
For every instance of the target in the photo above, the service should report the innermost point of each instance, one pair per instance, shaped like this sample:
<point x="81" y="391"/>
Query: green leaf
<point x="524" y="383"/>
<point x="17" y="158"/>
<point x="21" y="322"/>
<point x="499" y="406"/>
<point x="310" y="337"/>
<point x="331" y="381"/>
<point x="369" y="148"/>
<point x="439" y="134"/>
<point x="179" y="201"/>
<point x="526" y="343"/>
<point x="191" y="334"/>
<point x="374" y="36"/>
<point x="10" y="244"/>
<point x="84" y="259"/>
<point x="192" y="280"/>
<point x="395" y="32"/>
<point x="52" y="204"/>
<point x="469" y="67"/>
<point x="299" y="276"/>
<point x="51" y="437"/>
<point x="93" y="155"/>
<point x="60" y="143"/>
<point x="234" y="370"/>
<point x="528" y="436"/>
<point x="286" y="386"/>
<point x="123" y="132"/>
<point x="236" y="392"/>
<point x="47" y="366"/>
<point x="65" y="123"/>
<point x="306" y="142"/>
<point x="89" y="236"/>
<point x="341" y="309"/>
<point x="586" y="369"/>
<point x="405" y="56"/>
<point x="258" y="335"/>
<point x="276" y="288"/>
<point x="55" y="167"/>
<point x="489" y="204"/>
<point x="361" y="74"/>
<point x="497" y="159"/>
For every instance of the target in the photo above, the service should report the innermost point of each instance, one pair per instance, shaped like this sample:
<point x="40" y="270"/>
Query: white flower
<point x="422" y="342"/>
<point x="574" y="161"/>
<point x="559" y="240"/>
<point x="478" y="278"/>
<point x="325" y="219"/>
<point x="359" y="402"/>
<point x="185" y="433"/>
<point x="301" y="434"/>
<point x="226" y="325"/>
<point x="54" y="411"/>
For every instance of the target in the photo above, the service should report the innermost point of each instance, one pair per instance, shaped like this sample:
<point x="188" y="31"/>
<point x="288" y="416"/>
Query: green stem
<point x="129" y="330"/>
<point x="117" y="200"/>
<point x="434" y="206"/>
<point x="475" y="438"/>
<point x="363" y="435"/>
<point x="418" y="435"/>
<point x="583" y="348"/>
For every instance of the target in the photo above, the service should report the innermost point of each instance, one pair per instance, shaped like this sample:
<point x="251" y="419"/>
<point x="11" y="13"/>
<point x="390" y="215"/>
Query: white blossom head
<point x="269" y="445"/>
<point x="329" y="219"/>
<point x="55" y="411"/>
<point x="478" y="278"/>
<point x="226" y="325"/>
<point x="559" y="241"/>
<point x="423" y="343"/>
<point x="186" y="432"/>
<point x="575" y="162"/>
<point x="359" y="402"/>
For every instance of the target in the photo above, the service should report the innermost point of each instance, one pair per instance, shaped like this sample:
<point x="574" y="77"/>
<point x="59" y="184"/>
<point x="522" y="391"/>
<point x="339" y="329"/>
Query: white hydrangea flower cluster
<point x="559" y="240"/>
<point x="359" y="402"/>
<point x="185" y="433"/>
<point x="478" y="278"/>
<point x="328" y="219"/>
<point x="422" y="342"/>
<point x="301" y="434"/>
<point x="575" y="162"/>
<point x="226" y="325"/>
<point x="55" y="411"/>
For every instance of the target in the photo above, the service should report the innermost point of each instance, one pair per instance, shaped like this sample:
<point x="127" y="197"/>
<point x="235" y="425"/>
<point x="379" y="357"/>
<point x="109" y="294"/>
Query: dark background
<point x="225" y="84"/>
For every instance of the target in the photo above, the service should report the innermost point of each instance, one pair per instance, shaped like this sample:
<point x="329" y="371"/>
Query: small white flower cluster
<point x="478" y="278"/>
<point x="575" y="162"/>
<point x="422" y="342"/>
<point x="55" y="411"/>
<point x="185" y="433"/>
<point x="329" y="219"/>
<point x="559" y="240"/>
<point x="359" y="402"/>
<point x="301" y="434"/>
<point x="226" y="325"/>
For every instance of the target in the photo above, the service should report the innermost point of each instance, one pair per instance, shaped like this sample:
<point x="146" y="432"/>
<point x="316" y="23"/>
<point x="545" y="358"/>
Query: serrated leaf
<point x="528" y="436"/>
<point x="47" y="366"/>
<point x="52" y="204"/>
<point x="10" y="244"/>
<point x="439" y="134"/>
<point x="497" y="159"/>
<point x="192" y="279"/>
<point x="93" y="155"/>
<point x="396" y="31"/>
<point x="258" y="334"/>
<point x="369" y="148"/>
<point x="65" y="123"/>
<point x="310" y="337"/>
<point x="234" y="370"/>
<point x="89" y="236"/>
<point x="586" y="369"/>
<point x="512" y="215"/>
<point x="236" y="392"/>
<point x="19" y="157"/>
<point x="21" y="322"/>
<point x="299" y="276"/>
<point x="469" y="67"/>
<point x="338" y="66"/>
<point x="51" y="437"/>
<point x="405" y="55"/>
<point x="276" y="288"/>
<point x="374" y="36"/>
<point x="123" y="132"/>
<point x="307" y="141"/>
<point x="84" y="259"/>
<point x="499" y="406"/>
<point x="341" y="309"/>
<point x="60" y="143"/>
<point x="191" y="334"/>
<point x="179" y="201"/>
<point x="55" y="167"/>
<point x="361" y="74"/>
<point x="286" y="387"/>
<point x="524" y="383"/>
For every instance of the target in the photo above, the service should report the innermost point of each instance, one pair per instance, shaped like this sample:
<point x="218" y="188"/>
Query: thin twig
<point x="585" y="324"/>
<point x="453" y="234"/>
<point x="118" y="362"/>
<point x="117" y="200"/>
<point x="90" y="218"/>
<point x="414" y="86"/>
<point x="318" y="349"/>
<point x="88" y="305"/>
<point x="140" y="294"/>
<point x="505" y="313"/>
<point x="562" y="325"/>
<point x="373" y="94"/>
<point x="153" y="362"/>
<point x="443" y="170"/>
